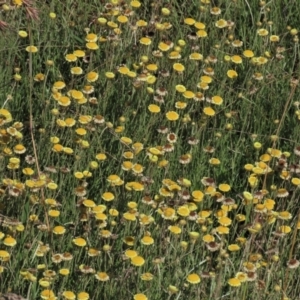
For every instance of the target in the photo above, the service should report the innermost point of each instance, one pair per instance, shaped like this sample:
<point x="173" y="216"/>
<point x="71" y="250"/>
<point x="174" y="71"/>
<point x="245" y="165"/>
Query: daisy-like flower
<point x="168" y="213"/>
<point x="107" y="196"/>
<point x="297" y="150"/>
<point x="232" y="74"/>
<point x="233" y="247"/>
<point x="76" y="71"/>
<point x="71" y="57"/>
<point x="159" y="99"/>
<point x="234" y="282"/>
<point x="31" y="49"/>
<point x="168" y="148"/>
<point x="209" y="111"/>
<point x="147" y="240"/>
<point x="59" y="230"/>
<point x="236" y="59"/>
<point x="293" y="264"/>
<point x="137" y="261"/>
<point x="282" y="193"/>
<point x="262" y="32"/>
<point x="201" y="33"/>
<point x="189" y="21"/>
<point x="217" y="100"/>
<point x="80" y="242"/>
<point x="249" y="267"/>
<point x="147" y="276"/>
<point x="237" y="43"/>
<point x="92" y="76"/>
<point x="154" y="108"/>
<point x="140" y="296"/>
<point x="145" y="41"/>
<point x="221" y="23"/>
<point x="172" y="115"/>
<point x="102" y="276"/>
<point x="175" y="229"/>
<point x="83" y="296"/>
<point x="248" y="53"/>
<point x="185" y="159"/>
<point x="178" y="67"/>
<point x="109" y="75"/>
<point x="274" y="38"/>
<point x="193" y="278"/>
<point x="215" y="11"/>
<point x="196" y="56"/>
<point x="9" y="241"/>
<point x="92" y="46"/>
<point x="224" y="187"/>
<point x="172" y="137"/>
<point x="212" y="246"/>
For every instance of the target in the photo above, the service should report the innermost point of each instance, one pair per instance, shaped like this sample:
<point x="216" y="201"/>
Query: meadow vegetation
<point x="149" y="149"/>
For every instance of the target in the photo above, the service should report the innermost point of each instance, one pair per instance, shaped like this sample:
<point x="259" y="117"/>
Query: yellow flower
<point x="193" y="278"/>
<point x="234" y="282"/>
<point x="47" y="295"/>
<point x="59" y="230"/>
<point x="135" y="4"/>
<point x="23" y="34"/>
<point x="147" y="240"/>
<point x="189" y="21"/>
<point x="145" y="41"/>
<point x="248" y="53"/>
<point x="147" y="276"/>
<point x="83" y="296"/>
<point x="183" y="211"/>
<point x="92" y="46"/>
<point x="69" y="295"/>
<point x="76" y="71"/>
<point x="295" y="181"/>
<point x="201" y="33"/>
<point x="180" y="105"/>
<point x="217" y="100"/>
<point x="92" y="76"/>
<point x="274" y="38"/>
<point x="175" y="229"/>
<point x="236" y="59"/>
<point x="9" y="241"/>
<point x="107" y="196"/>
<point x="172" y="115"/>
<point x="79" y="242"/>
<point x="140" y="297"/>
<point x="109" y="75"/>
<point x="178" y="67"/>
<point x="199" y="25"/>
<point x="102" y="276"/>
<point x="52" y="15"/>
<point x="195" y="56"/>
<point x="232" y="74"/>
<point x="225" y="221"/>
<point x="122" y="19"/>
<point x="209" y="111"/>
<point x="180" y="88"/>
<point x="70" y="57"/>
<point x="224" y="187"/>
<point x="154" y="108"/>
<point x="101" y="156"/>
<point x="262" y="32"/>
<point x="31" y="49"/>
<point x="137" y="261"/>
<point x="221" y="23"/>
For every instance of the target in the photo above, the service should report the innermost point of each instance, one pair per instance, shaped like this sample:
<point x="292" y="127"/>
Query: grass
<point x="128" y="152"/>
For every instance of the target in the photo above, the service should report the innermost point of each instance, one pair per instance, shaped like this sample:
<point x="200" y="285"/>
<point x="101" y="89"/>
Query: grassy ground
<point x="149" y="150"/>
